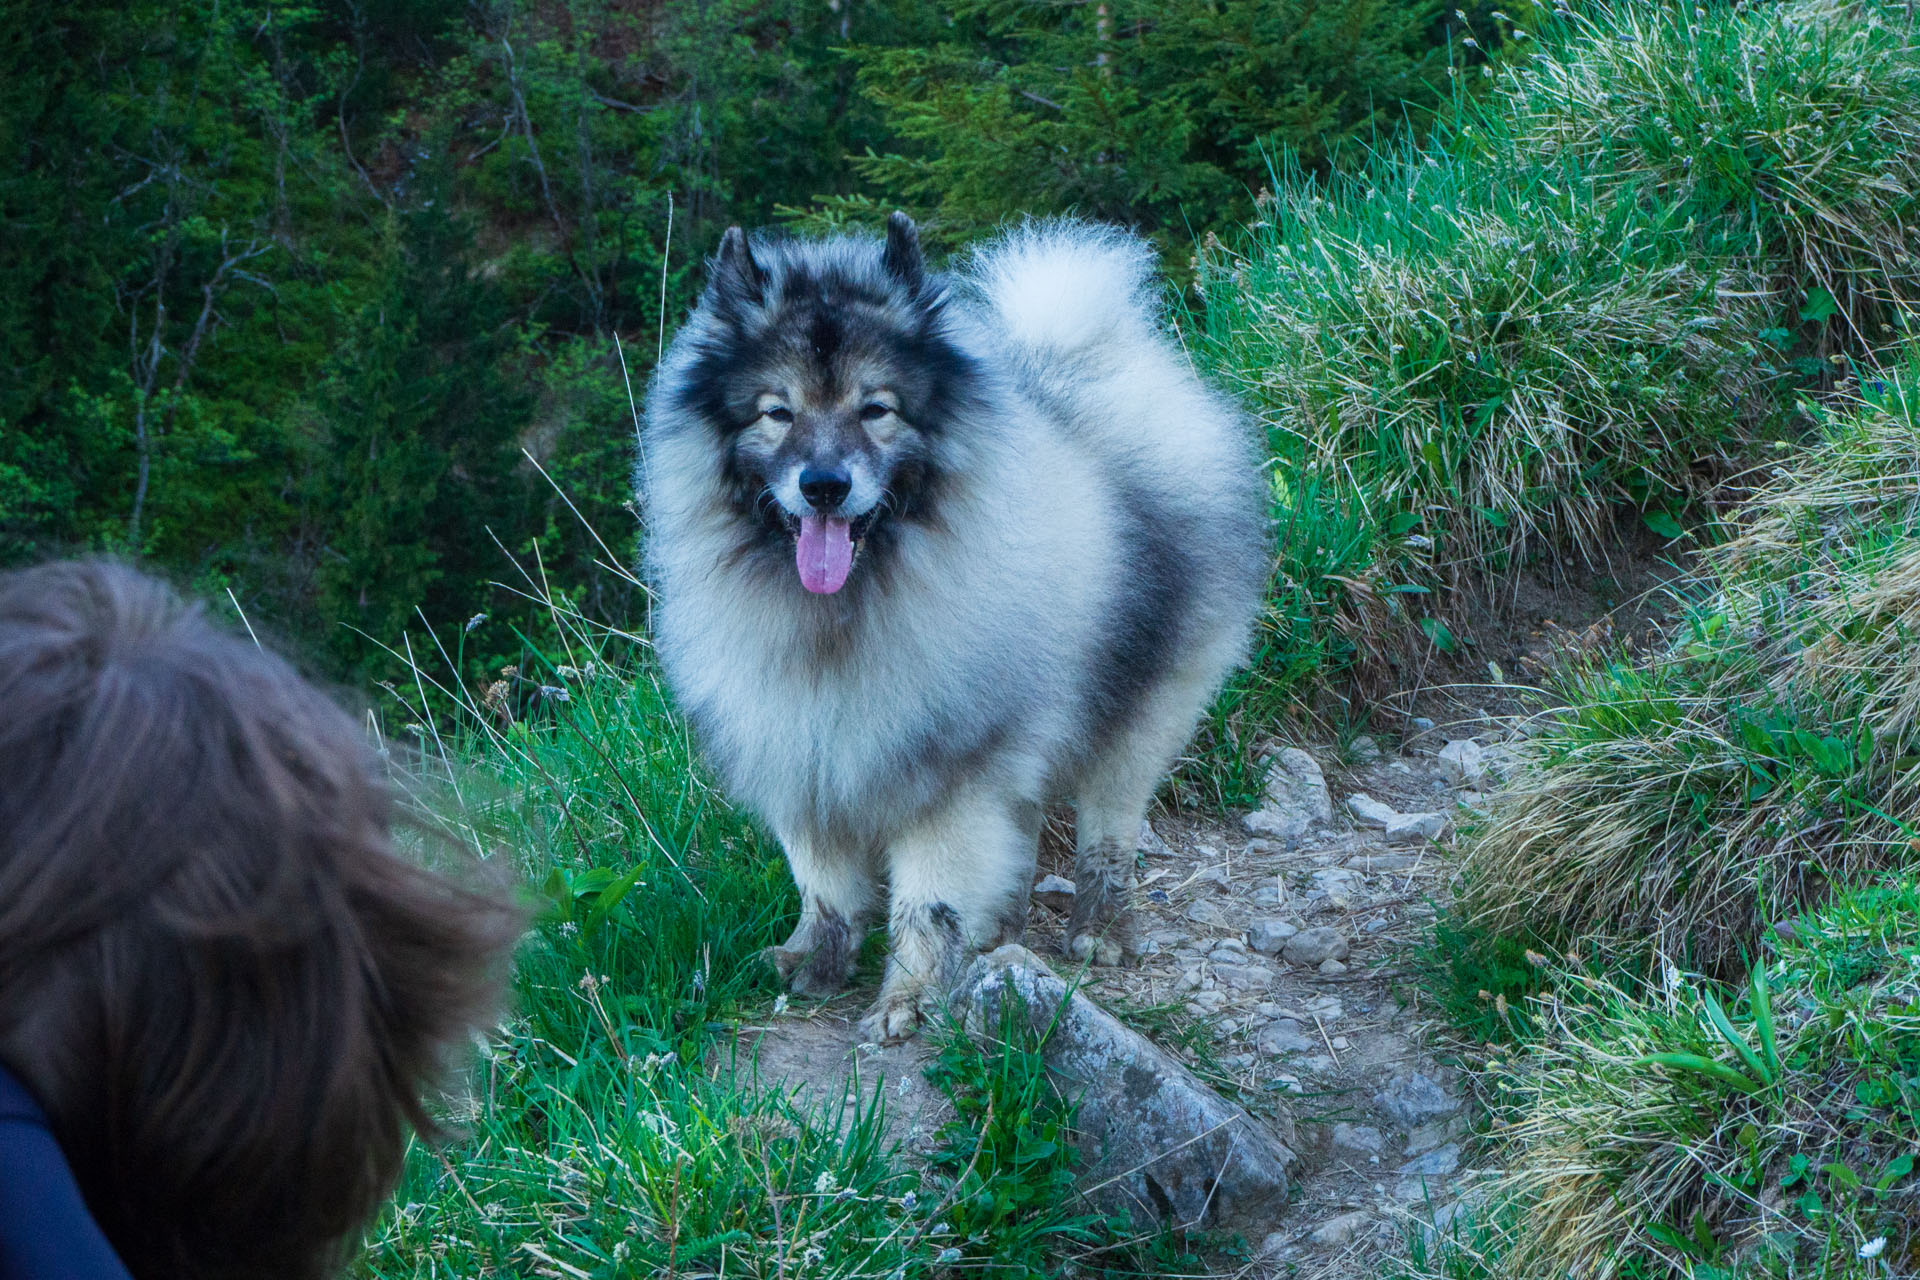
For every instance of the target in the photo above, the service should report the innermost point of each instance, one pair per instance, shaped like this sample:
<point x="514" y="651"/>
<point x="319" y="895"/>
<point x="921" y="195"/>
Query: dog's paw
<point x="1093" y="948"/>
<point x="895" y="1016"/>
<point x="807" y="973"/>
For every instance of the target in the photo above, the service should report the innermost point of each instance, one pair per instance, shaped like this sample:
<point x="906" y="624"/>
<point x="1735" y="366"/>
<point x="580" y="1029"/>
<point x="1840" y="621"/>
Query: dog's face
<point x="828" y="378"/>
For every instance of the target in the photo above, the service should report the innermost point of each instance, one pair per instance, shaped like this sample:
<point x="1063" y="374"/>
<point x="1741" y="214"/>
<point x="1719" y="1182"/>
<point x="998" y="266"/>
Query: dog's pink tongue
<point x="824" y="553"/>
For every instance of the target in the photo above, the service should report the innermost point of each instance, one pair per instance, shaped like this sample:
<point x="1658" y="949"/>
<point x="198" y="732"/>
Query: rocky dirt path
<point x="1274" y="962"/>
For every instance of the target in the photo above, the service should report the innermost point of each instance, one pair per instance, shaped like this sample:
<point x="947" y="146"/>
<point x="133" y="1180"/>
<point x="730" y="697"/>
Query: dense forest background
<point x="293" y="298"/>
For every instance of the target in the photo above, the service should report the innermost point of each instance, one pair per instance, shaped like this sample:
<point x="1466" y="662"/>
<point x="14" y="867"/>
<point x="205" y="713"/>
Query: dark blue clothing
<point x="46" y="1232"/>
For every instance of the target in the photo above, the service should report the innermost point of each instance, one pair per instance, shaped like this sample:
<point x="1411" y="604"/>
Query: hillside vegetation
<point x="1583" y="302"/>
<point x="1655" y="266"/>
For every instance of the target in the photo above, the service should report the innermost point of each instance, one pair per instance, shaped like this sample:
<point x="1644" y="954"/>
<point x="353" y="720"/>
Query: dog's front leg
<point x="836" y="898"/>
<point x="955" y="881"/>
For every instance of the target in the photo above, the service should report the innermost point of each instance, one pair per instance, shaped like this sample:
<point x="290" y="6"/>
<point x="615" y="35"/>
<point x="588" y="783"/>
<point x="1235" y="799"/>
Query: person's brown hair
<point x="217" y="976"/>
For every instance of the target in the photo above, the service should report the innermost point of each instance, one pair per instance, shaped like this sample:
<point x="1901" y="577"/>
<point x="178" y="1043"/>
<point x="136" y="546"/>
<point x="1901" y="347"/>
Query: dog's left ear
<point x="902" y="258"/>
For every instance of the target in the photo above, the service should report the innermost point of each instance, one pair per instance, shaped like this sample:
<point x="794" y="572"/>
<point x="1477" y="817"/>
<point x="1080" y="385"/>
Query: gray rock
<point x="1215" y="876"/>
<point x="1419" y="724"/>
<point x="1150" y="842"/>
<point x="1335" y="1232"/>
<point x="1411" y="828"/>
<point x="1270" y="933"/>
<point x="1244" y="977"/>
<point x="1376" y="860"/>
<point x="1296" y="785"/>
<point x="1055" y="892"/>
<point x="1208" y="912"/>
<point x="1437" y="1163"/>
<point x="1311" y="948"/>
<point x="1344" y="889"/>
<point x="1283" y="1036"/>
<point x="1277" y="824"/>
<point x="1435" y="1133"/>
<point x="1274" y="1245"/>
<point x="1160" y="1141"/>
<point x="1363" y="1138"/>
<point x="1331" y="969"/>
<point x="1364" y="749"/>
<point x="1464" y="763"/>
<point x="1369" y="812"/>
<point x="1412" y="1099"/>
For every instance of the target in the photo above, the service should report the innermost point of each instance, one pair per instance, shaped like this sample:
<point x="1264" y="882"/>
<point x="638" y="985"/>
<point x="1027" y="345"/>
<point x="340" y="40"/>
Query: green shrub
<point x="1678" y="803"/>
<point x="1692" y="1130"/>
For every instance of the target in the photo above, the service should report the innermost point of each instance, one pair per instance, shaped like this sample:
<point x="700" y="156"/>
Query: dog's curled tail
<point x="1064" y="288"/>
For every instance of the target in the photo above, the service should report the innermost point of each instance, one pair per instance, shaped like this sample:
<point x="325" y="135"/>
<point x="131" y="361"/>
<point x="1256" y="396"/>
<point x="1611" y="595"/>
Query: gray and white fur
<point x="1058" y="551"/>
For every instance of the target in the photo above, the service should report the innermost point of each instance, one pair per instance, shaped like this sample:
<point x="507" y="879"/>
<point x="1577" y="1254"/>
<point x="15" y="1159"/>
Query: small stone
<point x="1408" y="828"/>
<point x="1260" y="848"/>
<point x="1208" y="1001"/>
<point x="1276" y="824"/>
<point x="1274" y="1245"/>
<point x="1375" y="860"/>
<point x="1312" y="947"/>
<point x="1215" y="876"/>
<point x="1284" y="1036"/>
<point x="1433" y="1134"/>
<point x="1338" y="1231"/>
<point x="1055" y="892"/>
<point x="1231" y="946"/>
<point x="1463" y="763"/>
<point x="1363" y="1138"/>
<point x="1437" y="1163"/>
<point x="1369" y="812"/>
<point x="1338" y="1042"/>
<point x="1297" y="785"/>
<point x="1244" y="977"/>
<point x="1420" y="724"/>
<point x="1270" y="933"/>
<point x="1364" y="749"/>
<point x="1412" y="1099"/>
<point x="1225" y="1028"/>
<point x="1150" y="842"/>
<point x="1268" y="895"/>
<point x="1342" y="888"/>
<point x="1331" y="969"/>
<point x="1208" y="912"/>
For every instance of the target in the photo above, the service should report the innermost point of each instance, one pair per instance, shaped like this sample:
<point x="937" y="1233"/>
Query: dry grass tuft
<point x="1678" y="804"/>
<point x="1683" y="1130"/>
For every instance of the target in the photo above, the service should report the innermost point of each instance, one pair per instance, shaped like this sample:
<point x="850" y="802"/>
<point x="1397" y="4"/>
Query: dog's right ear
<point x="734" y="269"/>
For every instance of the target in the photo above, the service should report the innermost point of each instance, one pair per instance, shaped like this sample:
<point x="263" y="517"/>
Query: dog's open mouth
<point x="824" y="548"/>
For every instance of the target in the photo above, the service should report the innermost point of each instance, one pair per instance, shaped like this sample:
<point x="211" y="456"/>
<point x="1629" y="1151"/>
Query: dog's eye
<point x="874" y="412"/>
<point x="780" y="413"/>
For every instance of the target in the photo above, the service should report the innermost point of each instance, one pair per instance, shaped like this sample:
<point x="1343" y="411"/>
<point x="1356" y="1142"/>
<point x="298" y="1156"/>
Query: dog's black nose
<point x="825" y="487"/>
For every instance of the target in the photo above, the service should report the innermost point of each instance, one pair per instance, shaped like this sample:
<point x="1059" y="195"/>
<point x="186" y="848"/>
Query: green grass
<point x="1678" y="804"/>
<point x="1586" y="300"/>
<point x="1763" y="1129"/>
<point x="608" y="1128"/>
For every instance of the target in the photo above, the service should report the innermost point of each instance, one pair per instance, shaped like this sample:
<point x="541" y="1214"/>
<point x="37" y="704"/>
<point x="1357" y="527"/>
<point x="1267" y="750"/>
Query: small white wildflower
<point x="948" y="1254"/>
<point x="825" y="1183"/>
<point x="780" y="1004"/>
<point x="1471" y="43"/>
<point x="473" y="622"/>
<point x="621" y="1251"/>
<point x="568" y="928"/>
<point x="909" y="1202"/>
<point x="554" y="693"/>
<point x="1872" y="1248"/>
<point x="814" y="1255"/>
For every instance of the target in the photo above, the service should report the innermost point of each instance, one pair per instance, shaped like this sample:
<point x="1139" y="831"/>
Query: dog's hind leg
<point x="1111" y="804"/>
<point x="954" y="883"/>
<point x="836" y="897"/>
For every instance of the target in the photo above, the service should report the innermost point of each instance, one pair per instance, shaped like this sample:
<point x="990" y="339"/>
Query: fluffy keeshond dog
<point x="931" y="551"/>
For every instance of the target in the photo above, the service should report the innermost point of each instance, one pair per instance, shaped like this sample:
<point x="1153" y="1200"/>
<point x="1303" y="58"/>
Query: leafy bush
<point x="1687" y="1130"/>
<point x="1679" y="803"/>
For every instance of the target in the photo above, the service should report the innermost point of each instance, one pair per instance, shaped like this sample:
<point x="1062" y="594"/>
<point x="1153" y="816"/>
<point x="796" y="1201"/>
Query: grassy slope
<point x="1584" y="299"/>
